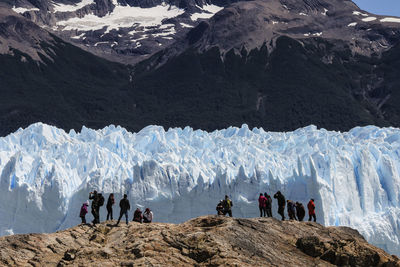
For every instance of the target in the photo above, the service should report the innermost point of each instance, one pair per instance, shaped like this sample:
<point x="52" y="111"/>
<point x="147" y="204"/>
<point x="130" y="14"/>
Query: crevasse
<point x="46" y="174"/>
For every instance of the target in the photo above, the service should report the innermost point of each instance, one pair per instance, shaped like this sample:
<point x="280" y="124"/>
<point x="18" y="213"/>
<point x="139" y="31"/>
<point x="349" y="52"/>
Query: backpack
<point x="101" y="200"/>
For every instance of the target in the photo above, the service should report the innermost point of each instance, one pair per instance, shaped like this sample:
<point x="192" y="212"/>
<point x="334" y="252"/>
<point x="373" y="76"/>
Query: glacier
<point x="46" y="174"/>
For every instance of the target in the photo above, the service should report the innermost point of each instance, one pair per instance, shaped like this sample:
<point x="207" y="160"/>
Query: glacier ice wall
<point x="46" y="174"/>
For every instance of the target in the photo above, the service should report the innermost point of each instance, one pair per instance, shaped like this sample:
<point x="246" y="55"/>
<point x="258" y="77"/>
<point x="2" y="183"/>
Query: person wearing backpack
<point x="137" y="216"/>
<point x="147" y="216"/>
<point x="228" y="204"/>
<point x="262" y="204"/>
<point x="125" y="206"/>
<point x="95" y="206"/>
<point x="110" y="203"/>
<point x="268" y="207"/>
<point x="100" y="204"/>
<point x="301" y="212"/>
<point x="281" y="204"/>
<point x="84" y="211"/>
<point x="291" y="210"/>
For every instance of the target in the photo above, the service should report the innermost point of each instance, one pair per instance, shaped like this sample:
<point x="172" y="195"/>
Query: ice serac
<point x="46" y="174"/>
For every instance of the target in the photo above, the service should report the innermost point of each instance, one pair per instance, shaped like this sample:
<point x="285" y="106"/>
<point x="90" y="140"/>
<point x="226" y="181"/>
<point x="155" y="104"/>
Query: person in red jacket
<point x="311" y="210"/>
<point x="262" y="204"/>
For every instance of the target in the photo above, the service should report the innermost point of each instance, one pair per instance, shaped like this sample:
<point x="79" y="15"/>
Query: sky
<point x="380" y="7"/>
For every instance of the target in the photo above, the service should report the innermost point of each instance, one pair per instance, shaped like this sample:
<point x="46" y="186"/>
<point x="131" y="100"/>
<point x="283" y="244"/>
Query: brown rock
<point x="203" y="241"/>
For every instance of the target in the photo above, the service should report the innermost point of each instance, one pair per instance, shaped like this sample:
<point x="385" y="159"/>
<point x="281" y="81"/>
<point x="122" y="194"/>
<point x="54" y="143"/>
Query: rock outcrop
<point x="204" y="241"/>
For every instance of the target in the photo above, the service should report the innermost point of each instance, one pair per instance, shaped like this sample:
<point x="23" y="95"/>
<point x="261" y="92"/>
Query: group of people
<point x="98" y="201"/>
<point x="295" y="210"/>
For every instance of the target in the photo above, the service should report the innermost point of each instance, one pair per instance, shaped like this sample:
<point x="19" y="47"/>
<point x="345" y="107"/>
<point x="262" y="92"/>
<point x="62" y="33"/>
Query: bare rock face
<point x="204" y="241"/>
<point x="18" y="33"/>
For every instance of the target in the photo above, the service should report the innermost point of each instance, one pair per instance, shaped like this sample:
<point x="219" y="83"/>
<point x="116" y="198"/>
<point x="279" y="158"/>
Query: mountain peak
<point x="250" y="24"/>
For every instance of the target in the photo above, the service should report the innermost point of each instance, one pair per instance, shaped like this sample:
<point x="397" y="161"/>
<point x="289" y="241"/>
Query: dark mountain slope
<point x="287" y="89"/>
<point x="55" y="82"/>
<point x="279" y="65"/>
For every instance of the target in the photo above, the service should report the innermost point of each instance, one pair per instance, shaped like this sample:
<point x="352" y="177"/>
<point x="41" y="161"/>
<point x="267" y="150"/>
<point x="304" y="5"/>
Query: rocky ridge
<point x="249" y="25"/>
<point x="121" y="30"/>
<point x="19" y="34"/>
<point x="203" y="241"/>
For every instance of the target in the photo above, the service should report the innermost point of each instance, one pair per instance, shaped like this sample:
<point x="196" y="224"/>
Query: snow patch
<point x="358" y="13"/>
<point x="122" y="17"/>
<point x="78" y="36"/>
<point x="396" y="20"/>
<point x="210" y="10"/>
<point x="22" y="10"/>
<point x="368" y="19"/>
<point x="353" y="24"/>
<point x="58" y="7"/>
<point x="184" y="25"/>
<point x="325" y="11"/>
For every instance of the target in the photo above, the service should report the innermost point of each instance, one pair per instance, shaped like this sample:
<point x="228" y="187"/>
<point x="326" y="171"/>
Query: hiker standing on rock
<point x="268" y="206"/>
<point x="125" y="206"/>
<point x="281" y="204"/>
<point x="228" y="204"/>
<point x="291" y="210"/>
<point x="147" y="216"/>
<point x="262" y="204"/>
<point x="110" y="203"/>
<point x="301" y="212"/>
<point x="311" y="210"/>
<point x="137" y="216"/>
<point x="83" y="212"/>
<point x="95" y="206"/>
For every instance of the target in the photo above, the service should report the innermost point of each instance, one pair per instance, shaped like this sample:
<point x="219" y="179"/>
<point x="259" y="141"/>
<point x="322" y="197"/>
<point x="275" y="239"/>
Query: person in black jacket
<point x="95" y="206"/>
<point x="125" y="206"/>
<point x="301" y="211"/>
<point x="110" y="203"/>
<point x="281" y="204"/>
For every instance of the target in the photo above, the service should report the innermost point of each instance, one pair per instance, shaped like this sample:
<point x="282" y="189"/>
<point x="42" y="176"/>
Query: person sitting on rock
<point x="301" y="212"/>
<point x="84" y="211"/>
<point x="147" y="216"/>
<point x="125" y="206"/>
<point x="220" y="208"/>
<point x="311" y="210"/>
<point x="281" y="204"/>
<point x="137" y="216"/>
<point x="227" y="204"/>
<point x="262" y="204"/>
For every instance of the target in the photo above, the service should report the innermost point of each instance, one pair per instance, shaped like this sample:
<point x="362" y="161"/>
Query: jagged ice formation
<point x="46" y="174"/>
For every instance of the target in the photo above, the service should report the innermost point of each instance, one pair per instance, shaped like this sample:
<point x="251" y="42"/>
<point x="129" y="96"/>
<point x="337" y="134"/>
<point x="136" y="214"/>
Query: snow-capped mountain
<point x="276" y="64"/>
<point x="46" y="174"/>
<point x="121" y="30"/>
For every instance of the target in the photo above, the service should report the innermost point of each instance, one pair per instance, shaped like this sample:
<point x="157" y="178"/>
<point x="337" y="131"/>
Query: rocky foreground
<point x="204" y="241"/>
